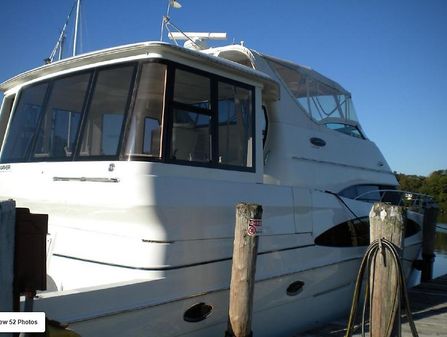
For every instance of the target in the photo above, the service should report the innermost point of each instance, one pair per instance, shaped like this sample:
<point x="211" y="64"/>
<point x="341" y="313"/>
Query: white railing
<point x="414" y="201"/>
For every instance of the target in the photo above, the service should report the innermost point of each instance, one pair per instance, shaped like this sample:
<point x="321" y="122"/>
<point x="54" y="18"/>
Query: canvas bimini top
<point x="323" y="100"/>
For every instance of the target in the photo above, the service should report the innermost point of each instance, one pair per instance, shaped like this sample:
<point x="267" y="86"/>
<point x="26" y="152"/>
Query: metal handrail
<point x="415" y="201"/>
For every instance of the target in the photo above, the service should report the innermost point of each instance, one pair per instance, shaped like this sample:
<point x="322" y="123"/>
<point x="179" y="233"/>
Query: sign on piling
<point x="247" y="229"/>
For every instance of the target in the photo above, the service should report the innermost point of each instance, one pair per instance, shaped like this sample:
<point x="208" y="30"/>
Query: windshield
<point x="324" y="100"/>
<point x="155" y="110"/>
<point x="46" y="124"/>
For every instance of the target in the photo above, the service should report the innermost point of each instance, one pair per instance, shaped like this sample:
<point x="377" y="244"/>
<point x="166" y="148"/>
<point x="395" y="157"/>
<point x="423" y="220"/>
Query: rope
<point x="380" y="246"/>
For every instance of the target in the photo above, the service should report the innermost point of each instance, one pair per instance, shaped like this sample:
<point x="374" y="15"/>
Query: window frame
<point x="31" y="155"/>
<point x="88" y="103"/>
<point x="171" y="105"/>
<point x="12" y="115"/>
<point x="5" y="113"/>
<point x="130" y="111"/>
<point x="167" y="116"/>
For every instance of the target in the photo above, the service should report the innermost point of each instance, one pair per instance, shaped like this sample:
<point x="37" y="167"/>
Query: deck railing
<point x="414" y="201"/>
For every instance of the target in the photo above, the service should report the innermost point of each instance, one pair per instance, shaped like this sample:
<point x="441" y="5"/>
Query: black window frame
<point x="5" y="114"/>
<point x="171" y="105"/>
<point x="167" y="120"/>
<point x="30" y="155"/>
<point x="12" y="116"/>
<point x="127" y="111"/>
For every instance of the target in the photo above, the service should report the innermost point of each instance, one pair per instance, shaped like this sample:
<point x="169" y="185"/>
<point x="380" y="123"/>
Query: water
<point x="440" y="265"/>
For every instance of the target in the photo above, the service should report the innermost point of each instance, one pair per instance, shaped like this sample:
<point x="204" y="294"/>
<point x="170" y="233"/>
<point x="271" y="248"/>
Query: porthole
<point x="198" y="312"/>
<point x="317" y="141"/>
<point x="295" y="288"/>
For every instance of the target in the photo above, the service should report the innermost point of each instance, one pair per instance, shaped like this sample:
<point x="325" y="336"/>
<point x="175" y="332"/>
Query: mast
<point x="61" y="40"/>
<point x="75" y="37"/>
<point x="61" y="47"/>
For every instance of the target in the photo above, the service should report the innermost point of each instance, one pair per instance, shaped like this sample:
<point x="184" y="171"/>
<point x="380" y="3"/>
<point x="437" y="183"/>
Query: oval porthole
<point x="295" y="288"/>
<point x="317" y="141"/>
<point x="198" y="312"/>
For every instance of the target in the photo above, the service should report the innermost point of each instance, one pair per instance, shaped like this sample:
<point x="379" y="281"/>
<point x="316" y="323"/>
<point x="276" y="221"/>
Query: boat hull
<point x="157" y="307"/>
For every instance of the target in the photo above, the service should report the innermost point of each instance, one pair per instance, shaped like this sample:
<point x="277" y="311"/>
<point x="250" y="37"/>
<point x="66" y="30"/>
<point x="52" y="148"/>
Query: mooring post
<point x="248" y="225"/>
<point x="386" y="222"/>
<point x="428" y="243"/>
<point x="7" y="241"/>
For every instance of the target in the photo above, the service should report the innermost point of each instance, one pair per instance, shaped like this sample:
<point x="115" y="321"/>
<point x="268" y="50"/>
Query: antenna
<point x="75" y="37"/>
<point x="165" y="20"/>
<point x="60" y="41"/>
<point x="192" y="40"/>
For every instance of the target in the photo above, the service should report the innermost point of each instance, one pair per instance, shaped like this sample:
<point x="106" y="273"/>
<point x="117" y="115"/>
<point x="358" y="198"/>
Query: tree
<point x="434" y="185"/>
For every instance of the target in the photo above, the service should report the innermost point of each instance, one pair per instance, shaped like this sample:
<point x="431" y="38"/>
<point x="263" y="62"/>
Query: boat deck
<point x="428" y="302"/>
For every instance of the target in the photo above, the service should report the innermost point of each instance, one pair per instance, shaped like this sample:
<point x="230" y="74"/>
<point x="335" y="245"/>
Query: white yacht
<point x="139" y="154"/>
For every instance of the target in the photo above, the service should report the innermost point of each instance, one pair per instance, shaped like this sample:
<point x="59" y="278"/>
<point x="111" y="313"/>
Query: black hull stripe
<point x="167" y="268"/>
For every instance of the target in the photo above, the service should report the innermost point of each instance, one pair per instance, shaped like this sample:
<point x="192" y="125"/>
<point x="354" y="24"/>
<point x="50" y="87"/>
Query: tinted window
<point x="58" y="130"/>
<point x="370" y="193"/>
<point x="355" y="232"/>
<point x="8" y="102"/>
<point x="146" y="125"/>
<point x="24" y="124"/>
<point x="101" y="134"/>
<point x="191" y="136"/>
<point x="349" y="130"/>
<point x="235" y="125"/>
<point x="191" y="118"/>
<point x="179" y="115"/>
<point x="211" y="121"/>
<point x="192" y="89"/>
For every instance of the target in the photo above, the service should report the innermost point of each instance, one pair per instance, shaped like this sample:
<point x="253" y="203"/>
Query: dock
<point x="428" y="302"/>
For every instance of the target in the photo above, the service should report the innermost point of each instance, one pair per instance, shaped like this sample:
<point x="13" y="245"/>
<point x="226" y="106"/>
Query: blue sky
<point x="392" y="55"/>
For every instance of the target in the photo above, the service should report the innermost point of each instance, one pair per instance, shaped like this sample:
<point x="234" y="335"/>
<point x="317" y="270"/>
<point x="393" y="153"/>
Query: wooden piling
<point x="387" y="222"/>
<point x="248" y="224"/>
<point x="428" y="243"/>
<point x="7" y="233"/>
<point x="7" y="246"/>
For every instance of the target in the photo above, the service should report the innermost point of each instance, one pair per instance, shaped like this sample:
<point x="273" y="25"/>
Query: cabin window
<point x="24" y="124"/>
<point x="264" y="125"/>
<point x="191" y="118"/>
<point x="190" y="139"/>
<point x="350" y="130"/>
<point x="178" y="115"/>
<point x="211" y="121"/>
<point x="372" y="193"/>
<point x="105" y="117"/>
<point x="192" y="89"/>
<point x="146" y="124"/>
<point x="56" y="137"/>
<point x="235" y="125"/>
<point x="8" y="102"/>
<point x="355" y="232"/>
